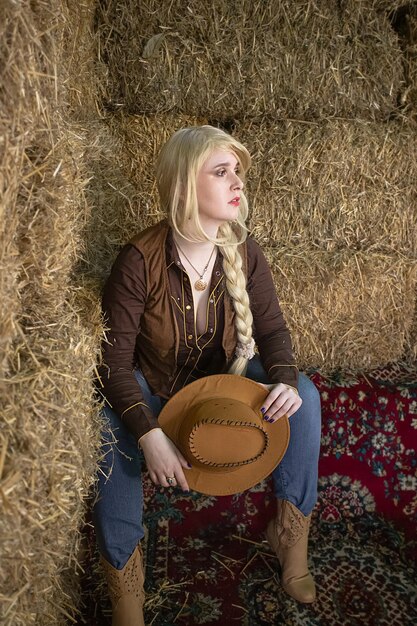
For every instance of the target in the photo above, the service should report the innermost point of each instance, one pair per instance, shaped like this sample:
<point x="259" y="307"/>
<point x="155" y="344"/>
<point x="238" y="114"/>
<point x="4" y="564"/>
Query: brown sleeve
<point x="270" y="330"/>
<point x="124" y="299"/>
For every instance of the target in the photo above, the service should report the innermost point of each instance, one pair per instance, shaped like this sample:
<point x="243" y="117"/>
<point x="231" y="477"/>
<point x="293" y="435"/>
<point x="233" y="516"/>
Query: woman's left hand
<point x="282" y="400"/>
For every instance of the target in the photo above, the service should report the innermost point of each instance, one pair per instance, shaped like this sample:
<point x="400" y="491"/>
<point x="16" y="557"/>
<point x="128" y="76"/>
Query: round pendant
<point x="200" y="285"/>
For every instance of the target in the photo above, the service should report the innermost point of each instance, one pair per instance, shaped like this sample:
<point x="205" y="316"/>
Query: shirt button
<point x="217" y="273"/>
<point x="185" y="279"/>
<point x="210" y="330"/>
<point x="192" y="358"/>
<point x="189" y="336"/>
<point x="211" y="301"/>
<point x="188" y="307"/>
<point x="178" y="262"/>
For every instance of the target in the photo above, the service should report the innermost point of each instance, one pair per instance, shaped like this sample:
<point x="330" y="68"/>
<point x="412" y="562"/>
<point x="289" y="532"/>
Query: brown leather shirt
<point x="149" y="309"/>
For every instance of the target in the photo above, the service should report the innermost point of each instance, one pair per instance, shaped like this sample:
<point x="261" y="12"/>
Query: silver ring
<point x="170" y="480"/>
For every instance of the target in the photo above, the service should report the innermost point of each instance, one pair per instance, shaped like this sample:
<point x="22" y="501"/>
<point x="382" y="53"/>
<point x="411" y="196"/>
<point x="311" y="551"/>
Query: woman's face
<point x="218" y="190"/>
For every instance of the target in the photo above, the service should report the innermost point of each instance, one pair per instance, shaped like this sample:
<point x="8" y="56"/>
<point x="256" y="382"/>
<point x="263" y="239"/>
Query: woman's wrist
<point x="143" y="438"/>
<point x="293" y="388"/>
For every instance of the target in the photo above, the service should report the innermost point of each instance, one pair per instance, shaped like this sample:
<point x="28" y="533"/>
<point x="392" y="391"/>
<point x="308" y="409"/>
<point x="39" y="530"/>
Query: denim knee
<point x="308" y="391"/>
<point x="311" y="407"/>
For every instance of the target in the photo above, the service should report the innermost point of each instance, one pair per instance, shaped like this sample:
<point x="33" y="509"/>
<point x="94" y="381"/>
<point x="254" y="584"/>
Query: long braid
<point x="178" y="165"/>
<point x="236" y="286"/>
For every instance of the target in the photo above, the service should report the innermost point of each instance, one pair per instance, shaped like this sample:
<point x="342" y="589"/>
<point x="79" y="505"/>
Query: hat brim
<point x="235" y="387"/>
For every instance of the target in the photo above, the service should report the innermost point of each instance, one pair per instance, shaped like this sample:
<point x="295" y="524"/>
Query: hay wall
<point x="334" y="185"/>
<point x="49" y="433"/>
<point x="351" y="309"/>
<point x="288" y="58"/>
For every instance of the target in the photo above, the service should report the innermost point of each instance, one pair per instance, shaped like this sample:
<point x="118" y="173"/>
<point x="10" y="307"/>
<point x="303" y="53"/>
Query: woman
<point x="185" y="299"/>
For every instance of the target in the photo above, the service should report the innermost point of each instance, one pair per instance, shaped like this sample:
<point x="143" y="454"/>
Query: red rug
<point x="206" y="559"/>
<point x="369" y="439"/>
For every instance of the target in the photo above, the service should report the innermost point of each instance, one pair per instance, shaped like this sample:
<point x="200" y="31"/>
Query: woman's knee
<point x="308" y="391"/>
<point x="309" y="414"/>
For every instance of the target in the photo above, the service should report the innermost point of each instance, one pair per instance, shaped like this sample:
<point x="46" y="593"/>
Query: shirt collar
<point x="173" y="258"/>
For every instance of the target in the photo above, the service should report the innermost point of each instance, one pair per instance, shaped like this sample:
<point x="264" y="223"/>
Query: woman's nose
<point x="237" y="183"/>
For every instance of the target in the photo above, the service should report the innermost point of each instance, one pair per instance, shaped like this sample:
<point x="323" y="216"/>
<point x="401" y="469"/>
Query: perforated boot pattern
<point x="126" y="590"/>
<point x="290" y="524"/>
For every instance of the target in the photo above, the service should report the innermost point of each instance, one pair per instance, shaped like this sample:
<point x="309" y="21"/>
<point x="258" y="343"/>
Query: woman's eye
<point x="221" y="172"/>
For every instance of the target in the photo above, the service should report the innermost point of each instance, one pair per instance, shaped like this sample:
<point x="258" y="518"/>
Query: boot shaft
<point x="126" y="590"/>
<point x="287" y="535"/>
<point x="291" y="525"/>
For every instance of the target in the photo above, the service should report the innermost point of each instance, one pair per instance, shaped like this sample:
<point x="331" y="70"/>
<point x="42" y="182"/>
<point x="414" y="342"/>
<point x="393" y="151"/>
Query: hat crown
<point x="222" y="434"/>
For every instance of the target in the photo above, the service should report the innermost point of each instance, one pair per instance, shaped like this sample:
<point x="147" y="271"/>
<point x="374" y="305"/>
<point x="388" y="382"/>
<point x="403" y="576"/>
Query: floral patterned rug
<point x="208" y="563"/>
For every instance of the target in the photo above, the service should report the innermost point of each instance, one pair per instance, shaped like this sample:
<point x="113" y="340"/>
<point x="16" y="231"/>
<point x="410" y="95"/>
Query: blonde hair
<point x="177" y="167"/>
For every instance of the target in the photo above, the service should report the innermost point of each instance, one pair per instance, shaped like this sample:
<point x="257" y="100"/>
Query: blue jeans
<point x="117" y="513"/>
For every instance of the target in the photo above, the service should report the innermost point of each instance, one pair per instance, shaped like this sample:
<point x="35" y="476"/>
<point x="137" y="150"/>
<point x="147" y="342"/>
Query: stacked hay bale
<point x="290" y="59"/>
<point x="313" y="89"/>
<point x="48" y="342"/>
<point x="404" y="20"/>
<point x="337" y="216"/>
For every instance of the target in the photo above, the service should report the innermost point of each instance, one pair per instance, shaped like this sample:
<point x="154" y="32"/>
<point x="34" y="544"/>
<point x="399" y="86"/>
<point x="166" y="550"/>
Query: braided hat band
<point x="212" y="457"/>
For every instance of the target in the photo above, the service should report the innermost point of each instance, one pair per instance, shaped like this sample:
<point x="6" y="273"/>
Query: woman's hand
<point x="282" y="400"/>
<point x="163" y="460"/>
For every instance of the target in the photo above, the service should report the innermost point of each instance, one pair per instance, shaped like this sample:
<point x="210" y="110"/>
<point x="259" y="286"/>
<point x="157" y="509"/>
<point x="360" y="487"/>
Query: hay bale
<point x="49" y="428"/>
<point x="15" y="125"/>
<point x="9" y="266"/>
<point x="290" y="58"/>
<point x="367" y="25"/>
<point x="85" y="74"/>
<point x="345" y="310"/>
<point x="334" y="185"/>
<point x="404" y="21"/>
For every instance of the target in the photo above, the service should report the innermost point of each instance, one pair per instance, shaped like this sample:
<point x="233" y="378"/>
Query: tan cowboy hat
<point x="217" y="424"/>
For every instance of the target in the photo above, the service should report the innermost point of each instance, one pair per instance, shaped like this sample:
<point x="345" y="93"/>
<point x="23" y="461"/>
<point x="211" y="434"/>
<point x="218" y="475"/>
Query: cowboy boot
<point x="287" y="535"/>
<point x="126" y="590"/>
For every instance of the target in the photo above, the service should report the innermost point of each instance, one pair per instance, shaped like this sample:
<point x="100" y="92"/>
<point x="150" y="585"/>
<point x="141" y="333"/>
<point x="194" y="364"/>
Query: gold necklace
<point x="200" y="284"/>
